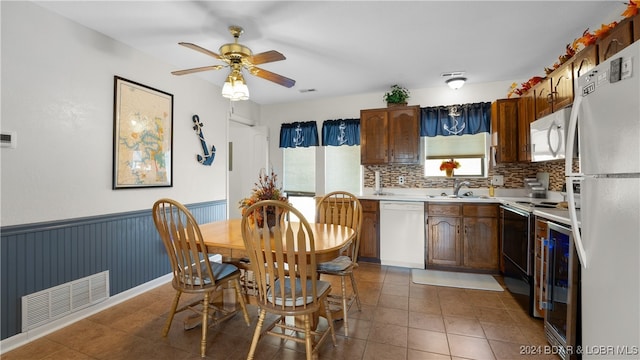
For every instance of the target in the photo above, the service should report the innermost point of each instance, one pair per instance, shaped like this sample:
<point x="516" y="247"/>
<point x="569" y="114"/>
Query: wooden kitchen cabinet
<point x="480" y="238"/>
<point x="584" y="61"/>
<point x="526" y="115"/>
<point x="443" y="232"/>
<point x="390" y="135"/>
<point x="618" y="38"/>
<point x="636" y="27"/>
<point x="561" y="86"/>
<point x="555" y="91"/>
<point x="444" y="241"/>
<point x="540" y="268"/>
<point x="370" y="232"/>
<point x="542" y="94"/>
<point x="474" y="248"/>
<point x="504" y="130"/>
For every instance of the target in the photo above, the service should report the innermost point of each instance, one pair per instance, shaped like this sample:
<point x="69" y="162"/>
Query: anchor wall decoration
<point x="208" y="156"/>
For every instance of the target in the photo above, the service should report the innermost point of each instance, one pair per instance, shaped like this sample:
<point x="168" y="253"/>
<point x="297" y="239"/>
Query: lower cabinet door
<point x="480" y="246"/>
<point x="444" y="241"/>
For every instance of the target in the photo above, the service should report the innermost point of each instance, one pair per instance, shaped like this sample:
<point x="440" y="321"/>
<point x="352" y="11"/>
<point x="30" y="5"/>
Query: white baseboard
<point x="18" y="340"/>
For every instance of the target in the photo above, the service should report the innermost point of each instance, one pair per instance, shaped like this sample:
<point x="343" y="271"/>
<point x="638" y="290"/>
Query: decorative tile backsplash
<point x="514" y="175"/>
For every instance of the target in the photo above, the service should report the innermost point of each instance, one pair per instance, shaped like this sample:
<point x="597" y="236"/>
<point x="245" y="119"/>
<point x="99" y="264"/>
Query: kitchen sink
<point x="383" y="194"/>
<point x="454" y="197"/>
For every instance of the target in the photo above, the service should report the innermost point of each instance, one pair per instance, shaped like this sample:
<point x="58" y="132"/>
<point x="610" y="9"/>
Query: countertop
<point x="511" y="197"/>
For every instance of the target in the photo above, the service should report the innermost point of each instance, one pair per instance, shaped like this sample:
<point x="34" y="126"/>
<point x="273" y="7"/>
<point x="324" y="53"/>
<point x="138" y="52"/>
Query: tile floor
<point x="399" y="320"/>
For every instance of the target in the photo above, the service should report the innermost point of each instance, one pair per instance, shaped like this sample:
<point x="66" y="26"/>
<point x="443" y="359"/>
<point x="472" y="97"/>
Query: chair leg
<point x="256" y="334"/>
<point x="205" y="325"/>
<point x="327" y="312"/>
<point x="172" y="313"/>
<point x="354" y="285"/>
<point x="308" y="338"/>
<point x="243" y="305"/>
<point x="345" y="305"/>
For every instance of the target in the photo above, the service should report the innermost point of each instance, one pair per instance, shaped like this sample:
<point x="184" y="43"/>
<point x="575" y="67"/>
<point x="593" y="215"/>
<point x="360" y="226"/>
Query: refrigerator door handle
<point x="572" y="130"/>
<point x="577" y="239"/>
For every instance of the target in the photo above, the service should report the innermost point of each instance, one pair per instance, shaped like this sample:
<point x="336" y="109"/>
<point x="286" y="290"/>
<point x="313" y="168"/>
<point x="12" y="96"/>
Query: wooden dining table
<point x="225" y="238"/>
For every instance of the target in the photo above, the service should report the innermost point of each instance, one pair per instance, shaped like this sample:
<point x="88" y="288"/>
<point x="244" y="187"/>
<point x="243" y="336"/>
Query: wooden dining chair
<point x="283" y="258"/>
<point x="342" y="208"/>
<point x="193" y="271"/>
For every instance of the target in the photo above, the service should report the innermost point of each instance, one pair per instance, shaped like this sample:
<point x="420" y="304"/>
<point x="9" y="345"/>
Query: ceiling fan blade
<point x="200" y="49"/>
<point x="198" y="69"/>
<point x="265" y="57"/>
<point x="268" y="75"/>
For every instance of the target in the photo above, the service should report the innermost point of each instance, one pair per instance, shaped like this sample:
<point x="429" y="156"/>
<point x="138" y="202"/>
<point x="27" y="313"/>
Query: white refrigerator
<point x="606" y="118"/>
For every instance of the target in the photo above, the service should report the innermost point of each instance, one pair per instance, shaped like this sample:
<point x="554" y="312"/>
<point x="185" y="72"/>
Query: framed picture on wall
<point x="142" y="136"/>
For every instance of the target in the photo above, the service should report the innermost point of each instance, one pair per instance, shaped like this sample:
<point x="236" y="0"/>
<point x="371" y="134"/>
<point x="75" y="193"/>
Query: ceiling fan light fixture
<point x="234" y="87"/>
<point x="456" y="82"/>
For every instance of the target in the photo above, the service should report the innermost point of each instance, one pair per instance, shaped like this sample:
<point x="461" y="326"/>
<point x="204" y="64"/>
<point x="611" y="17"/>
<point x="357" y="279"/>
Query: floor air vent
<point x="53" y="303"/>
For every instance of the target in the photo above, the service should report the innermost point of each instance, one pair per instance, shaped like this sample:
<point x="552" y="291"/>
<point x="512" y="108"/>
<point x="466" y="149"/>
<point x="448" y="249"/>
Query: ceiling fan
<point x="237" y="57"/>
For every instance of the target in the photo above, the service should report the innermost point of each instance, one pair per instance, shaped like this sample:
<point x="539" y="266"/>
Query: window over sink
<point x="469" y="150"/>
<point x="459" y="132"/>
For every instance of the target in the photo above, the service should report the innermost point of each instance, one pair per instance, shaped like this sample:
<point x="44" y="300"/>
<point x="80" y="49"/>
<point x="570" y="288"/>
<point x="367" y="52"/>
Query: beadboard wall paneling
<point x="35" y="257"/>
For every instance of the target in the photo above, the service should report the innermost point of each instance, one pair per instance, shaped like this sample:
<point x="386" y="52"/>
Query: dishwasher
<point x="402" y="234"/>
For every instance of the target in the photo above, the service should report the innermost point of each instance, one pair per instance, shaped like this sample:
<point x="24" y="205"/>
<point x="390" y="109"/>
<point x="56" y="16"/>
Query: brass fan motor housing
<point x="235" y="50"/>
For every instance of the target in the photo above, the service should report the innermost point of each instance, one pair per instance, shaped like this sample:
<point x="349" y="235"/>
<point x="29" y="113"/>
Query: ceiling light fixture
<point x="234" y="87"/>
<point x="456" y="82"/>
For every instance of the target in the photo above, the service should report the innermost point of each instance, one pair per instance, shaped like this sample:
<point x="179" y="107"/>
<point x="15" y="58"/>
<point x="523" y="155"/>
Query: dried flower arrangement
<point x="265" y="189"/>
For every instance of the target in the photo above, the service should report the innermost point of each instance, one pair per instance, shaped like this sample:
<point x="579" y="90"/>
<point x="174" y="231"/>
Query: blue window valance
<point x="467" y="119"/>
<point x="341" y="132"/>
<point x="299" y="134"/>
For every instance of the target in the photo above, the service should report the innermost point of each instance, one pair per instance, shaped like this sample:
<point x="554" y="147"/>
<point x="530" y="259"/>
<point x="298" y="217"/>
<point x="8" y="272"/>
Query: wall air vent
<point x="452" y="74"/>
<point x="53" y="303"/>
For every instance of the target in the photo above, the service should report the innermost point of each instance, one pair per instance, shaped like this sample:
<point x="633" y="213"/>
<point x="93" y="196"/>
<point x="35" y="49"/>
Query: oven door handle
<point x="516" y="211"/>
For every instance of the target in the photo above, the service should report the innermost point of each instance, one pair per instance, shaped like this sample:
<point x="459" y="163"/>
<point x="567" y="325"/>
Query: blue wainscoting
<point x="35" y="257"/>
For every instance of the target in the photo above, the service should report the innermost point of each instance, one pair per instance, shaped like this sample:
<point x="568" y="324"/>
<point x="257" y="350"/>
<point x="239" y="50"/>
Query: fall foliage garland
<point x="576" y="46"/>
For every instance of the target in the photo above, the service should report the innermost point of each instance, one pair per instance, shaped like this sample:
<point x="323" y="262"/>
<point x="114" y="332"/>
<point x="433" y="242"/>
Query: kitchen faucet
<point x="457" y="185"/>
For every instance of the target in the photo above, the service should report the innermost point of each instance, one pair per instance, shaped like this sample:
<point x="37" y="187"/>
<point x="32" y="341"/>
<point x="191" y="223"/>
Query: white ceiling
<point x="352" y="47"/>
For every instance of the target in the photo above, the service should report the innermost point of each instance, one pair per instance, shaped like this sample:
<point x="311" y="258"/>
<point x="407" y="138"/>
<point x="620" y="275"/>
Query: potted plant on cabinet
<point x="398" y="95"/>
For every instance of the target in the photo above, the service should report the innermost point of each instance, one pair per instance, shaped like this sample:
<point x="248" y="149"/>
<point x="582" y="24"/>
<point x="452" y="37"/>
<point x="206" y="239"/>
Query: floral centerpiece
<point x="265" y="189"/>
<point x="448" y="166"/>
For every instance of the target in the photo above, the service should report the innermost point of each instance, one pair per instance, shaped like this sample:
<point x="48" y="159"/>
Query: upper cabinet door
<point x="374" y="141"/>
<point x="562" y="80"/>
<point x="404" y="135"/>
<point x="504" y="129"/>
<point x="543" y="96"/>
<point x="584" y="61"/>
<point x="390" y="135"/>
<point x="526" y="115"/>
<point x="619" y="38"/>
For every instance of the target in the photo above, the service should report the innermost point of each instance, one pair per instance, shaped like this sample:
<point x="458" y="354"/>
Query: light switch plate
<point x="497" y="180"/>
<point x="627" y="69"/>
